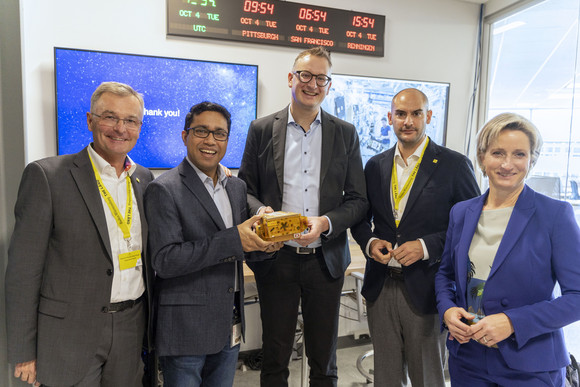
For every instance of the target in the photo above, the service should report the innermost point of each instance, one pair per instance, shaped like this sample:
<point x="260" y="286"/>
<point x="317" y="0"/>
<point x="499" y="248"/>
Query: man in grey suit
<point x="198" y="243"/>
<point x="302" y="159"/>
<point x="76" y="276"/>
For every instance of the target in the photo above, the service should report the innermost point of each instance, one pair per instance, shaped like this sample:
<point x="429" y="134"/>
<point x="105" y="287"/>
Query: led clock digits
<point x="278" y="22"/>
<point x="258" y="7"/>
<point x="363" y="22"/>
<point x="312" y="14"/>
<point x="203" y="3"/>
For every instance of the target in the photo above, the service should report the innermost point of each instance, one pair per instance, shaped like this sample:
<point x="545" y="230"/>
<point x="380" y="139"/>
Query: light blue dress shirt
<point x="302" y="160"/>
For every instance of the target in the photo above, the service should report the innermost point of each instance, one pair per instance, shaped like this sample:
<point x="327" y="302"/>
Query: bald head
<point x="411" y="93"/>
<point x="409" y="117"/>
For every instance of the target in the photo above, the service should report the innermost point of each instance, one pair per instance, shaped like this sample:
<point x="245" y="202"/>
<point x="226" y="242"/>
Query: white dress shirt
<point x="404" y="170"/>
<point x="128" y="284"/>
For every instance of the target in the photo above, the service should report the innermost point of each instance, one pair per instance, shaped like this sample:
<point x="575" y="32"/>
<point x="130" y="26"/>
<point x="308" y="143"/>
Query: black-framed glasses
<point x="111" y="121"/>
<point x="305" y="77"/>
<point x="203" y="132"/>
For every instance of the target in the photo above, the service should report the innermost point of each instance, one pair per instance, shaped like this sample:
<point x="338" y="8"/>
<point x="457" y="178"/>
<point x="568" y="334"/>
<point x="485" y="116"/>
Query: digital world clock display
<point x="278" y="22"/>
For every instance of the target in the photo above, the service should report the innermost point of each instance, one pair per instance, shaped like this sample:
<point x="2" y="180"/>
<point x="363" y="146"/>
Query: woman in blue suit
<point x="503" y="254"/>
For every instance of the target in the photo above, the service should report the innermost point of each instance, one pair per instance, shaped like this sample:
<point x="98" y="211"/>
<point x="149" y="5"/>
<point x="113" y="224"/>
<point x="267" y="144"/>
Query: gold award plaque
<point x="281" y="226"/>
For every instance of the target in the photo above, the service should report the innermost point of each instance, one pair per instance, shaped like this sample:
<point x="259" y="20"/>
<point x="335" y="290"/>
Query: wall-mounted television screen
<point x="170" y="86"/>
<point x="365" y="102"/>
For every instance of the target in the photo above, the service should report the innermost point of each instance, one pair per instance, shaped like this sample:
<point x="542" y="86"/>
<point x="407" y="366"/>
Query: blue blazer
<point x="541" y="245"/>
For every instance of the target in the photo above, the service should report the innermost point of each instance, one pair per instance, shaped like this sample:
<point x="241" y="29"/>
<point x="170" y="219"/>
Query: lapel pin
<point x="138" y="181"/>
<point x="435" y="161"/>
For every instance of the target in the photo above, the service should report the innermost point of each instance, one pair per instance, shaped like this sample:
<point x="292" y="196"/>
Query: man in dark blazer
<point x="76" y="279"/>
<point x="198" y="243"/>
<point x="410" y="213"/>
<point x="302" y="159"/>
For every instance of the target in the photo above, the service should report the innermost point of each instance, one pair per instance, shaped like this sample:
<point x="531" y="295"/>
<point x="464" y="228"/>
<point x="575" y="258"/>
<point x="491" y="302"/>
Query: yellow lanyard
<point x="124" y="224"/>
<point x="397" y="196"/>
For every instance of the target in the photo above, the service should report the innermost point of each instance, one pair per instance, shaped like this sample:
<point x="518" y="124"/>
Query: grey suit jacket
<point x="194" y="256"/>
<point x="59" y="273"/>
<point x="342" y="185"/>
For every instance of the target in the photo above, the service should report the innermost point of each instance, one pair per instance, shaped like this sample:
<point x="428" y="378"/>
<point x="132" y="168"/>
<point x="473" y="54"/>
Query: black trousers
<point x="296" y="278"/>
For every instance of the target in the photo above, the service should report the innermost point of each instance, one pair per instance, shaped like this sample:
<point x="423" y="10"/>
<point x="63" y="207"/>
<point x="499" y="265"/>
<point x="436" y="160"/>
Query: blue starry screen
<point x="169" y="87"/>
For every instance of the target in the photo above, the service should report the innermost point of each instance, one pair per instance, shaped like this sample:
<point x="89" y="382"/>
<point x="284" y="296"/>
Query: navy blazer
<point x="541" y="245"/>
<point x="445" y="177"/>
<point x="342" y="186"/>
<point x="195" y="258"/>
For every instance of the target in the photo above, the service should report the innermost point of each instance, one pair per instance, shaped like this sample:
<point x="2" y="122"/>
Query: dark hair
<point x="206" y="106"/>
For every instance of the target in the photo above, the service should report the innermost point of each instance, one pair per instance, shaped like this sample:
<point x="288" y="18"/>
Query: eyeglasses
<point x="202" y="132"/>
<point x="305" y="77"/>
<point x="112" y="121"/>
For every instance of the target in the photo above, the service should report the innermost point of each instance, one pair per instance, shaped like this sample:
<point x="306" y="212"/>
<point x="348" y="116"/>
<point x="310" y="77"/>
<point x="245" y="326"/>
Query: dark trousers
<point x="296" y="278"/>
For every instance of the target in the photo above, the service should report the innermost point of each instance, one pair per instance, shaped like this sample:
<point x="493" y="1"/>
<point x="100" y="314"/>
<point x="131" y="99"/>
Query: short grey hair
<point x="120" y="89"/>
<point x="508" y="121"/>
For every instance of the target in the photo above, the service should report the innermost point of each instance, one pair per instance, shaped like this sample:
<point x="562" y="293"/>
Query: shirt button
<point x="305" y="171"/>
<point x="109" y="272"/>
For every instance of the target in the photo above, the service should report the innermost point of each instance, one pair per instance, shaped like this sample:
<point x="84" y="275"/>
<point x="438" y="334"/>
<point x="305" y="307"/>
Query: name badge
<point x="130" y="260"/>
<point x="236" y="335"/>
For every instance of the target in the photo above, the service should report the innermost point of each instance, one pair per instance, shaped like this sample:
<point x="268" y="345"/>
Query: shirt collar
<point x="102" y="165"/>
<point x="414" y="155"/>
<point x="291" y="120"/>
<point x="222" y="178"/>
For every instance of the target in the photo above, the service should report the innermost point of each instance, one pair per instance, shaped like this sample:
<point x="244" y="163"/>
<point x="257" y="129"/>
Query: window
<point x="534" y="71"/>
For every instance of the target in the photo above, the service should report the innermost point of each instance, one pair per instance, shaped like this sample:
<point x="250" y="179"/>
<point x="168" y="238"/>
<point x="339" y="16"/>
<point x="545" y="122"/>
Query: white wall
<point x="493" y="6"/>
<point x="425" y="40"/>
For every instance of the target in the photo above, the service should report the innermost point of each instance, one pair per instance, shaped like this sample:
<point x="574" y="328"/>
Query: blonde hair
<point x="508" y="121"/>
<point x="318" y="51"/>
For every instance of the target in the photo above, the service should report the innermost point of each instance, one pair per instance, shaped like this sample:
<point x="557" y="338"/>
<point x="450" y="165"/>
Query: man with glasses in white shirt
<point x="77" y="278"/>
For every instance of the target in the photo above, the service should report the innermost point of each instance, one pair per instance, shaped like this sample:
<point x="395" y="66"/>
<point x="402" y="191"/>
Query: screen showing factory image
<point x="169" y="86"/>
<point x="365" y="102"/>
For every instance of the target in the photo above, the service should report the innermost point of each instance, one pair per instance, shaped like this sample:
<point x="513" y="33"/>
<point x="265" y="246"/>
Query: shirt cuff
<point x="425" y="252"/>
<point x="367" y="248"/>
<point x="329" y="227"/>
